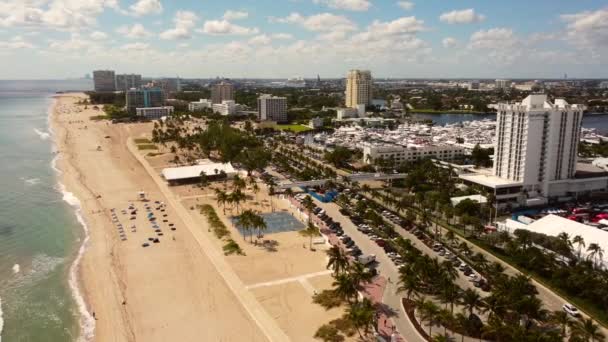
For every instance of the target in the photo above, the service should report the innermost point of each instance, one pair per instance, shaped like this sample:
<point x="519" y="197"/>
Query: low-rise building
<point x="402" y="154"/>
<point x="227" y="107"/>
<point x="316" y="123"/>
<point x="345" y="113"/>
<point x="154" y="113"/>
<point x="199" y="105"/>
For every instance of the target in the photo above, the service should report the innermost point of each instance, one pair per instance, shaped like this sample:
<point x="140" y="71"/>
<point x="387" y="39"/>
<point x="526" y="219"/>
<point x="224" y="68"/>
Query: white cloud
<point x="145" y="7"/>
<point x="588" y="29"/>
<point x="319" y="22"/>
<point x="235" y="15"/>
<point x="134" y="32"/>
<point x="261" y="39"/>
<point x="349" y="5"/>
<point x="224" y="27"/>
<point x="57" y="14"/>
<point x="184" y="21"/>
<point x="406" y="5"/>
<point x="16" y="43"/>
<point x="98" y="35"/>
<point x="449" y="42"/>
<point x="500" y="45"/>
<point x="135" y="46"/>
<point x="466" y="16"/>
<point x="76" y="43"/>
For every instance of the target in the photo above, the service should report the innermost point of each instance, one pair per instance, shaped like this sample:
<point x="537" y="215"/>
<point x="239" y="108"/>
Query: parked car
<point x="366" y="259"/>
<point x="571" y="310"/>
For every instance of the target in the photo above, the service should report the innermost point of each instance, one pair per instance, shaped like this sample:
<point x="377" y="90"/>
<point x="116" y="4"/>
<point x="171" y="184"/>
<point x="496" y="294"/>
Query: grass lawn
<point x="142" y="141"/>
<point x="294" y="128"/>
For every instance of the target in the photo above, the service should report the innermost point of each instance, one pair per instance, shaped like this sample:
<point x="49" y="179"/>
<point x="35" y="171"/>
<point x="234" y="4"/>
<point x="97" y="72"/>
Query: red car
<point x="381" y="242"/>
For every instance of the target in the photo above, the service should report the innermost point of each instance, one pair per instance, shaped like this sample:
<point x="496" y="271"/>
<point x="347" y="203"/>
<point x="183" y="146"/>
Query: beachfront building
<point x="104" y="80"/>
<point x="192" y="174"/>
<point x="359" y="90"/>
<point x="144" y="98"/>
<point x="272" y="108"/>
<point x="227" y="107"/>
<point x="402" y="154"/>
<point x="154" y="113"/>
<point x="125" y="82"/>
<point x="222" y="91"/>
<point x="199" y="105"/>
<point x="535" y="153"/>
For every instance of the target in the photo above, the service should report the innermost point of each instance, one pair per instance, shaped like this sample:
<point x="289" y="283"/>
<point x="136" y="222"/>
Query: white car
<point x="571" y="310"/>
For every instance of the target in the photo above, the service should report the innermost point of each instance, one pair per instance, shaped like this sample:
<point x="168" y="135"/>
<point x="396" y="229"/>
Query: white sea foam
<point x="86" y="321"/>
<point x="16" y="268"/>
<point x="31" y="181"/>
<point x="41" y="134"/>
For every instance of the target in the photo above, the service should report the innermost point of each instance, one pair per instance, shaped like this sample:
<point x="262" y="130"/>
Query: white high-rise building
<point x="536" y="154"/>
<point x="227" y="107"/>
<point x="272" y="108"/>
<point x="359" y="88"/>
<point x="537" y="141"/>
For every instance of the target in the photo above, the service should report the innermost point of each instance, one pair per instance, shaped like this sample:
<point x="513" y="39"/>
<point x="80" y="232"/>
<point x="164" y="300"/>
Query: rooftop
<point x="488" y="180"/>
<point x="204" y="166"/>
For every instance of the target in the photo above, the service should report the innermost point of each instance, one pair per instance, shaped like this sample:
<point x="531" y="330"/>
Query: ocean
<point x="40" y="234"/>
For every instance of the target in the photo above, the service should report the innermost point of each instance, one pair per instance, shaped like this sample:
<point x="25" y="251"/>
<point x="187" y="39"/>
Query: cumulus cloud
<point x="145" y="7"/>
<point x="262" y="39"/>
<point x="406" y="5"/>
<point x="184" y="21"/>
<point x="319" y="22"/>
<point x="235" y="15"/>
<point x="57" y="14"/>
<point x="98" y="35"/>
<point x="349" y="5"/>
<point x="466" y="16"/>
<point x="134" y="32"/>
<point x="588" y="29"/>
<point x="224" y="27"/>
<point x="449" y="42"/>
<point x="284" y="36"/>
<point x="500" y="44"/>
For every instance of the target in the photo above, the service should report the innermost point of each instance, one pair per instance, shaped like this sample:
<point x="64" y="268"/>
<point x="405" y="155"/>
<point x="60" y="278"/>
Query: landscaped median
<point x="220" y="230"/>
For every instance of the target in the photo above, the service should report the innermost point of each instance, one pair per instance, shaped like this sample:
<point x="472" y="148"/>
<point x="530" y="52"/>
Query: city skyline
<point x="399" y="39"/>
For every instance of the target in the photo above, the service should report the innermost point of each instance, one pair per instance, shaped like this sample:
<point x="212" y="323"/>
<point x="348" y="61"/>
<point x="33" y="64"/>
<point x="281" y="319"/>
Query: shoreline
<point x="86" y="322"/>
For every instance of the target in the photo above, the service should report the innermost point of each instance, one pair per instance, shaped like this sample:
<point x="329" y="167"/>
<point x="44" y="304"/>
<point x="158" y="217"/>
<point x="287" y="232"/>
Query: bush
<point x="147" y="147"/>
<point x="142" y="141"/>
<point x="219" y="229"/>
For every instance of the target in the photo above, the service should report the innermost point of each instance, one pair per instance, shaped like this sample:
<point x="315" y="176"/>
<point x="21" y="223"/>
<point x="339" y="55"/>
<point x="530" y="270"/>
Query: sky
<point x="54" y="39"/>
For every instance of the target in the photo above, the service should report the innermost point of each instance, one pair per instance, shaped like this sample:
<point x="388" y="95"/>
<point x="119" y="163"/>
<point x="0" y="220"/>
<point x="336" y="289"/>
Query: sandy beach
<point x="167" y="292"/>
<point x="182" y="288"/>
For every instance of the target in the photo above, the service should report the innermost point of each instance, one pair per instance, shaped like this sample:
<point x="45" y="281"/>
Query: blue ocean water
<point x="39" y="233"/>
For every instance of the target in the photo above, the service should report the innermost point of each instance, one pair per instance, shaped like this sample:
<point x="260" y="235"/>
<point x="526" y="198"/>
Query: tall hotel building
<point x="536" y="153"/>
<point x="125" y="82"/>
<point x="272" y="108"/>
<point x="222" y="91"/>
<point x="359" y="85"/>
<point x="104" y="80"/>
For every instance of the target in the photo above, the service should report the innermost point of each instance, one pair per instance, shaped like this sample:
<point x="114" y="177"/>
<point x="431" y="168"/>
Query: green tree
<point x="338" y="260"/>
<point x="362" y="314"/>
<point x="310" y="231"/>
<point x="587" y="330"/>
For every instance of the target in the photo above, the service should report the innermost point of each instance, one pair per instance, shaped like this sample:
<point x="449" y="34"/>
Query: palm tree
<point x="246" y="222"/>
<point x="362" y="314"/>
<point x="309" y="205"/>
<point x="237" y="197"/>
<point x="338" y="260"/>
<point x="238" y="183"/>
<point x="408" y="283"/>
<point x="360" y="273"/>
<point x="580" y="242"/>
<point x="595" y="251"/>
<point x="345" y="287"/>
<point x="471" y="300"/>
<point x="449" y="294"/>
<point x="462" y="322"/>
<point x="587" y="330"/>
<point x="428" y="313"/>
<point x="562" y="319"/>
<point x="310" y="231"/>
<point x="446" y="319"/>
<point x="221" y="198"/>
